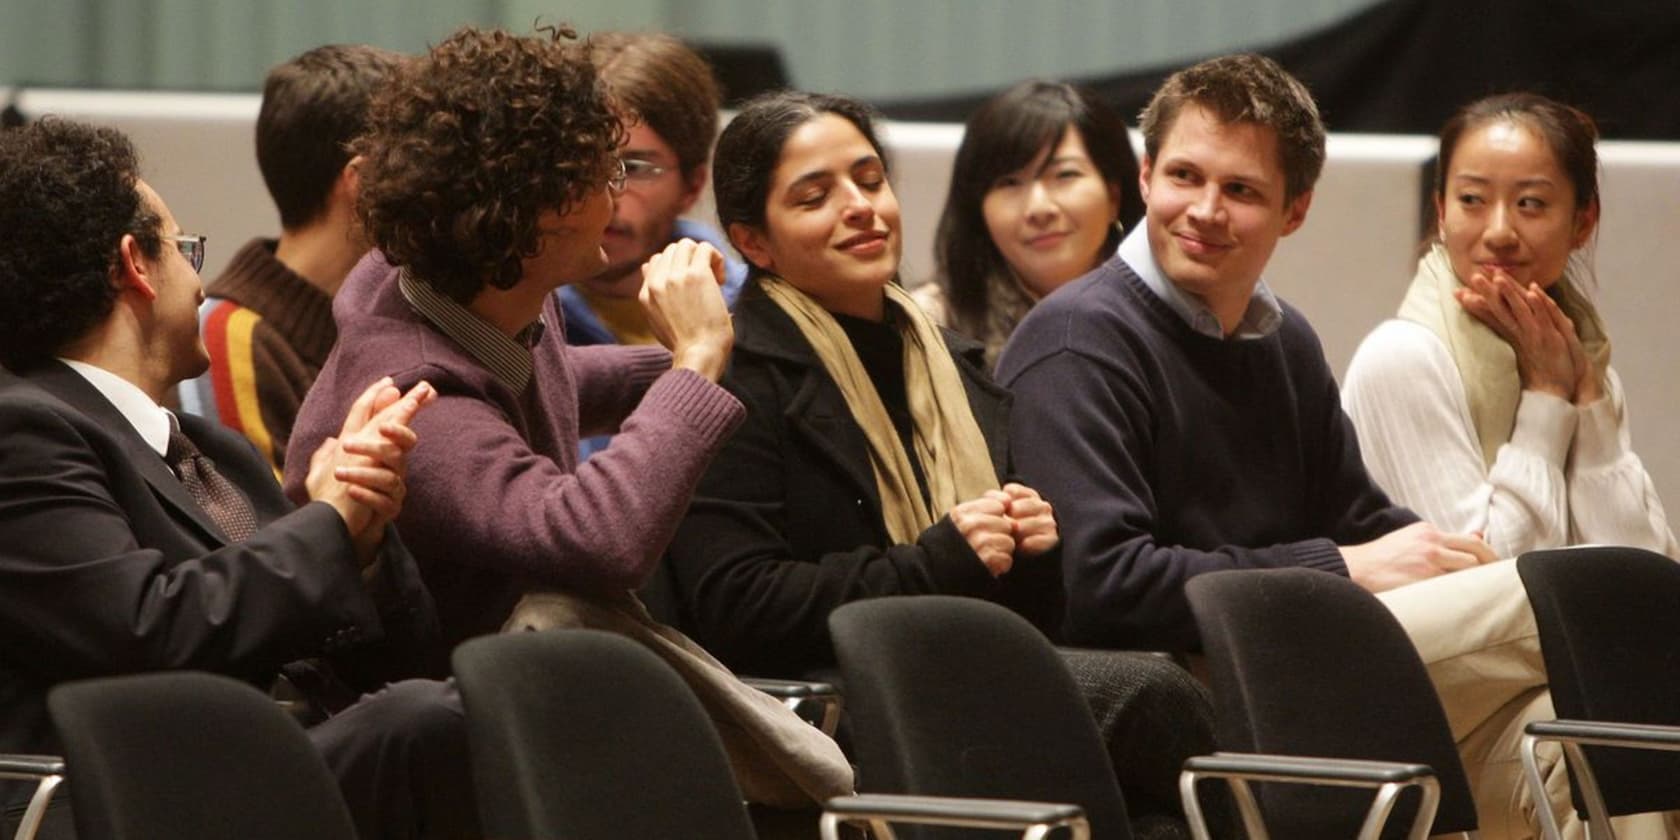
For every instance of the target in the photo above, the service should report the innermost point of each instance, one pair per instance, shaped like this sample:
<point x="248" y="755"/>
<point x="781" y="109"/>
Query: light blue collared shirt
<point x="1262" y="318"/>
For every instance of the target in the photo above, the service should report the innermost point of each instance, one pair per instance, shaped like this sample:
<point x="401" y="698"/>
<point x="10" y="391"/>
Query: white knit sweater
<point x="1568" y="474"/>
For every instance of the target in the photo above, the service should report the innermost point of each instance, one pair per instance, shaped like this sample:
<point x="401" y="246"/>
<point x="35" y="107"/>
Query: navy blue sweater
<point x="1168" y="453"/>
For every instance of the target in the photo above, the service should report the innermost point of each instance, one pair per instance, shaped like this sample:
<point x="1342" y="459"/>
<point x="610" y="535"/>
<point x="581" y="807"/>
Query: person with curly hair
<point x="138" y="540"/>
<point x="488" y="178"/>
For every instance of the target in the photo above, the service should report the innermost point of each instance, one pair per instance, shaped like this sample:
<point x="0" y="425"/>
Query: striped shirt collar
<point x="1262" y="318"/>
<point x="507" y="359"/>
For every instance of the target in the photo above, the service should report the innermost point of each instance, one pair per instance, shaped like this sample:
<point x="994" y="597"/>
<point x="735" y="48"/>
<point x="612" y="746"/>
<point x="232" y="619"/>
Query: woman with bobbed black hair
<point x="874" y="457"/>
<point x="1043" y="183"/>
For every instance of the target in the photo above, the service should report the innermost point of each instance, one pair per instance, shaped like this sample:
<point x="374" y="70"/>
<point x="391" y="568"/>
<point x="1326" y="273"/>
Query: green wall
<point x="872" y="48"/>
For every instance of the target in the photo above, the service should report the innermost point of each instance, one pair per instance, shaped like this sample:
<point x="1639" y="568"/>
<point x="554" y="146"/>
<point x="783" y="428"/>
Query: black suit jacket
<point x="108" y="566"/>
<point x="786" y="525"/>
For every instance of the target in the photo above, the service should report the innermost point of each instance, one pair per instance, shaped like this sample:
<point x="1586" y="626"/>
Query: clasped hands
<point x="1550" y="358"/>
<point x="360" y="471"/>
<point x="1002" y="524"/>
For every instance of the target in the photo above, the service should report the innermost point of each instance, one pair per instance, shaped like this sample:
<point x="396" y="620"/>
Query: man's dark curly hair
<point x="67" y="196"/>
<point x="474" y="141"/>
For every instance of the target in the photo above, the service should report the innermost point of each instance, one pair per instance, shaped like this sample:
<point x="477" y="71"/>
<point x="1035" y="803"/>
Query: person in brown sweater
<point x="267" y="319"/>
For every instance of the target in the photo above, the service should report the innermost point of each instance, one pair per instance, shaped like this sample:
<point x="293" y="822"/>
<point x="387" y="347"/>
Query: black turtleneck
<point x="880" y="346"/>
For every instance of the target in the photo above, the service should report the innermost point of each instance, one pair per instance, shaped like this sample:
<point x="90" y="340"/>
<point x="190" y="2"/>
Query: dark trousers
<point x="400" y="756"/>
<point x="1152" y="715"/>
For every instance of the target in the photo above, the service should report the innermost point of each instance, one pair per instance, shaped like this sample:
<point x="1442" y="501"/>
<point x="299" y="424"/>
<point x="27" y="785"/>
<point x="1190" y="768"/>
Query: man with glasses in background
<point x="670" y="102"/>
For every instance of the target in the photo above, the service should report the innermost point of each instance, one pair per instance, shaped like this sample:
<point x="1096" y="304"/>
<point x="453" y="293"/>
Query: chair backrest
<point x="1609" y="620"/>
<point x="584" y="735"/>
<point x="1305" y="662"/>
<point x="183" y="755"/>
<point x="951" y="696"/>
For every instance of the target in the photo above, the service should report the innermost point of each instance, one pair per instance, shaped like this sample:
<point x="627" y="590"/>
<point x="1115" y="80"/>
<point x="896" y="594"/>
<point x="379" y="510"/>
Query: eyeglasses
<point x="192" y="247"/>
<point x="616" y="177"/>
<point x="637" y="169"/>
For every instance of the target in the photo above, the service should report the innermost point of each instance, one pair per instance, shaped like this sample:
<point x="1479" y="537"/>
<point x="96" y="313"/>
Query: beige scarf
<point x="949" y="445"/>
<point x="1486" y="364"/>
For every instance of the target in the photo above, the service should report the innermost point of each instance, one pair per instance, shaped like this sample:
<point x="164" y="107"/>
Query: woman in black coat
<point x="870" y="460"/>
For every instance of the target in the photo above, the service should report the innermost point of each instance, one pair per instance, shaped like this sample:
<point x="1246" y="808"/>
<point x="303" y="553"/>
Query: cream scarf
<point x="1486" y="364"/>
<point x="949" y="445"/>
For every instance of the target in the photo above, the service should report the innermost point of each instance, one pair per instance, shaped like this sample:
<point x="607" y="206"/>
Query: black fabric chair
<point x="951" y="696"/>
<point x="1307" y="664"/>
<point x="185" y="755"/>
<point x="583" y="734"/>
<point x="1609" y="620"/>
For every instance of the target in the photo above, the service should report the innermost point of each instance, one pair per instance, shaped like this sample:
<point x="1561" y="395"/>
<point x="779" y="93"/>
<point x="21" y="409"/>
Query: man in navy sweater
<point x="1183" y="420"/>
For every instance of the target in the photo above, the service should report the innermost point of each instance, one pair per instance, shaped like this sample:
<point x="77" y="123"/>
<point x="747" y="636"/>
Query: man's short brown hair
<point x="1251" y="89"/>
<point x="312" y="107"/>
<point x="661" y="81"/>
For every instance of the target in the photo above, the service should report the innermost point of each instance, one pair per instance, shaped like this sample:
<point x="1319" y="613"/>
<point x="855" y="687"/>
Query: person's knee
<point x="423" y="715"/>
<point x="1143" y="692"/>
<point x="1164" y="689"/>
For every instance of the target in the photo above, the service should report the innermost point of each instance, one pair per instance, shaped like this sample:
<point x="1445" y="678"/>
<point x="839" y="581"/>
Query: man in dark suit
<point x="134" y="540"/>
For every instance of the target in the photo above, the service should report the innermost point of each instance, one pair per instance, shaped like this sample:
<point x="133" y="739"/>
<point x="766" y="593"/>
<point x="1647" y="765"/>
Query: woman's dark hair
<point x="471" y="144"/>
<point x="1567" y="131"/>
<point x="1001" y="137"/>
<point x="751" y="146"/>
<point x="68" y="194"/>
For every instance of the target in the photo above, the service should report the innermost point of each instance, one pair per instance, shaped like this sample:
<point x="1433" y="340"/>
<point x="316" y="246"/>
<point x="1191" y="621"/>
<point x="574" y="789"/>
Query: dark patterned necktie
<point x="213" y="492"/>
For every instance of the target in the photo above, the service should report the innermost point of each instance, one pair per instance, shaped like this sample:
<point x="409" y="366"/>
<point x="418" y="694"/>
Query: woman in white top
<point x="1489" y="404"/>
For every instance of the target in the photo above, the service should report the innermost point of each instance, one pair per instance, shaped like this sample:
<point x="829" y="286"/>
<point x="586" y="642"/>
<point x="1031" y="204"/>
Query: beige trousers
<point x="1476" y="635"/>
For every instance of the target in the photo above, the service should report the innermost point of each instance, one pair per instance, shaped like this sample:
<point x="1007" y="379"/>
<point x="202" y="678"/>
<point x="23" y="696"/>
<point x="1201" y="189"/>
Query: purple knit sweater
<point x="497" y="503"/>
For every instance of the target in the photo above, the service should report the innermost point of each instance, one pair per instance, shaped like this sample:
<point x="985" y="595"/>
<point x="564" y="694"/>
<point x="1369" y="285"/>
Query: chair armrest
<point x="1292" y="768"/>
<point x="1573" y="734"/>
<point x="961" y="812"/>
<point x="30" y="766"/>
<point x="49" y="770"/>
<point x="1607" y="734"/>
<point x="793" y="689"/>
<point x="800" y="696"/>
<point x="1238" y="769"/>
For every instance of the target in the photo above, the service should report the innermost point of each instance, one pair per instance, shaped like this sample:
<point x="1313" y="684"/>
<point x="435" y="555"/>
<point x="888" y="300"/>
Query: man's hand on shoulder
<point x="1413" y="553"/>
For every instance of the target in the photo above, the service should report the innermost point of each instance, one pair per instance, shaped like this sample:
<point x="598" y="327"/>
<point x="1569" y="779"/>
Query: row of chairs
<point x="586" y="735"/>
<point x="1304" y="663"/>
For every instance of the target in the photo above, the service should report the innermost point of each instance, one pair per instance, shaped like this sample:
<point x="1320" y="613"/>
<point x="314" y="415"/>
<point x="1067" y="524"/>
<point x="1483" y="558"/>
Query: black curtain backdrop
<point x="1403" y="66"/>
